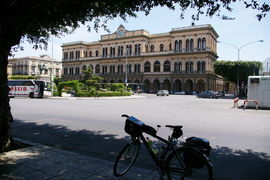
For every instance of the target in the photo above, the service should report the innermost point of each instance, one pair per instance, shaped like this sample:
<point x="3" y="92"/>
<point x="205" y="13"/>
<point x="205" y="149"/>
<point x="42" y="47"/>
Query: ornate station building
<point x="179" y="60"/>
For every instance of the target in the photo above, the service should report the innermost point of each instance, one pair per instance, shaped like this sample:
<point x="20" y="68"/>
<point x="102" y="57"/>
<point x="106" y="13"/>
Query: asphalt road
<point x="95" y="127"/>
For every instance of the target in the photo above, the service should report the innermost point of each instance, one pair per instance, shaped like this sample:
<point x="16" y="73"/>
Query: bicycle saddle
<point x="177" y="131"/>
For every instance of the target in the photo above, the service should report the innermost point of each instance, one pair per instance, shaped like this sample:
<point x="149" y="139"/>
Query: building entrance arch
<point x="200" y="85"/>
<point x="178" y="85"/>
<point x="147" y="85"/>
<point x="156" y="85"/>
<point x="189" y="86"/>
<point x="167" y="85"/>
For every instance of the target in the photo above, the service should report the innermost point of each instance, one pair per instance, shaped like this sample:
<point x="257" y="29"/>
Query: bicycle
<point x="176" y="159"/>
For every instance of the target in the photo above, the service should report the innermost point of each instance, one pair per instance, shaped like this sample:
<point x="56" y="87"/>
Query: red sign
<point x="18" y="88"/>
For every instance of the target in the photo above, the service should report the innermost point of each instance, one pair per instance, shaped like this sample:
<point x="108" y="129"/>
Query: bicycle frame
<point x="158" y="162"/>
<point x="137" y="128"/>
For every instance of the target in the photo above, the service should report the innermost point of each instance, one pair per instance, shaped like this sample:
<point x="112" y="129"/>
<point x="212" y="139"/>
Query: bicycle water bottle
<point x="153" y="146"/>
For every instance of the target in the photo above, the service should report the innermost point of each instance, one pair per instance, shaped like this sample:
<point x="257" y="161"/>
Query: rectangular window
<point x="254" y="80"/>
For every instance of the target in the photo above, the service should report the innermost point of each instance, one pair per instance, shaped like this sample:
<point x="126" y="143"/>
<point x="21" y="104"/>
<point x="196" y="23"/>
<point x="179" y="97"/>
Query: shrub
<point x="74" y="84"/>
<point x="22" y="77"/>
<point x="94" y="93"/>
<point x="55" y="93"/>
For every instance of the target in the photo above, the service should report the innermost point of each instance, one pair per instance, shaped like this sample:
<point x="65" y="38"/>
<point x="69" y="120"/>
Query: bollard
<point x="246" y="101"/>
<point x="235" y="103"/>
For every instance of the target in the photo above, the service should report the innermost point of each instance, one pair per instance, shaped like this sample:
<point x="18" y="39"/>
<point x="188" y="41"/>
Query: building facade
<point x="35" y="66"/>
<point x="179" y="60"/>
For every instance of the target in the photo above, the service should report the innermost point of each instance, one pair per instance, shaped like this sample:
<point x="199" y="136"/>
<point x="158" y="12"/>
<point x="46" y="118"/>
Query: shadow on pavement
<point x="228" y="163"/>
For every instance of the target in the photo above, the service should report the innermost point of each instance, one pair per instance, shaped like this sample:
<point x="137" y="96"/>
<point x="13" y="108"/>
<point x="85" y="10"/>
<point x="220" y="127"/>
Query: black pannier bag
<point x="133" y="126"/>
<point x="202" y="145"/>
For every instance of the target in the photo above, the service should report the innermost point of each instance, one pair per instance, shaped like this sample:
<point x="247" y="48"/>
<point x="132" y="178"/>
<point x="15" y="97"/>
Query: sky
<point x="245" y="28"/>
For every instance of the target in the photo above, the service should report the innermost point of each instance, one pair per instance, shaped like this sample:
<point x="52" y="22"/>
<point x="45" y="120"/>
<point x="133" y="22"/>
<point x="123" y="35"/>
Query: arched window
<point x="139" y="49"/>
<point x="127" y="50"/>
<point x="97" y="69"/>
<point x="180" y="45"/>
<point x="104" y="69"/>
<point x="96" y="53"/>
<point x="170" y="46"/>
<point x="187" y="66"/>
<point x="84" y="67"/>
<point x="199" y="66"/>
<point x="191" y="67"/>
<point x="118" y="68"/>
<point x="129" y="68"/>
<point x="180" y="66"/>
<point x="203" y="66"/>
<point x="130" y="50"/>
<point x="85" y="54"/>
<point x="157" y="66"/>
<point x="136" y="49"/>
<point x="187" y="45"/>
<point x="135" y="68"/>
<point x="176" y="45"/>
<point x="152" y="48"/>
<point x="167" y="66"/>
<point x="111" y="69"/>
<point x="122" y="50"/>
<point x="111" y="51"/>
<point x="176" y="67"/>
<point x="104" y="52"/>
<point x="90" y="53"/>
<point x="161" y="47"/>
<point x="203" y="43"/>
<point x="191" y="43"/>
<point x="119" y="51"/>
<point x="147" y="66"/>
<point x="199" y="44"/>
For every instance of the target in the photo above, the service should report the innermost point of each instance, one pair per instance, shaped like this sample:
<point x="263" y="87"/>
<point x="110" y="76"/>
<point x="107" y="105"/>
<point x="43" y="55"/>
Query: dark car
<point x="208" y="94"/>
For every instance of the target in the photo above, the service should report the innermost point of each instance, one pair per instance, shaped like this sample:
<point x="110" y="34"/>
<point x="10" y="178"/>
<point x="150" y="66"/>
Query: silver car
<point x="208" y="94"/>
<point x="163" y="93"/>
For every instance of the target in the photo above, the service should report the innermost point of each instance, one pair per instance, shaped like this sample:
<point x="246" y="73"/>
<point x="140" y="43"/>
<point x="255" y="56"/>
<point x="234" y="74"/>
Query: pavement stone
<point x="38" y="162"/>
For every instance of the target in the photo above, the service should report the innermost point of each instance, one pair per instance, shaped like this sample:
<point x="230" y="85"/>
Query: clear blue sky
<point x="244" y="29"/>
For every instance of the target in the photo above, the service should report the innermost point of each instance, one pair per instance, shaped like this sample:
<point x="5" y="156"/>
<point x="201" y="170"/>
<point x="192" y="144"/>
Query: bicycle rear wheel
<point x="126" y="158"/>
<point x="188" y="164"/>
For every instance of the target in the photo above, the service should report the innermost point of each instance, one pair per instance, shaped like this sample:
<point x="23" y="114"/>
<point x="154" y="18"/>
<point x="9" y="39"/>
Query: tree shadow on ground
<point x="228" y="163"/>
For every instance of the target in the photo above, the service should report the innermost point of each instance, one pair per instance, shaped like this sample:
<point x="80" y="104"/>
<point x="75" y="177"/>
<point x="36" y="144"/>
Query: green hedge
<point x="102" y="94"/>
<point x="22" y="77"/>
<point x="73" y="84"/>
<point x="55" y="93"/>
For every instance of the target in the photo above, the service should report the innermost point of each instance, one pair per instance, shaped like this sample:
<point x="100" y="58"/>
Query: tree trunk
<point x="5" y="113"/>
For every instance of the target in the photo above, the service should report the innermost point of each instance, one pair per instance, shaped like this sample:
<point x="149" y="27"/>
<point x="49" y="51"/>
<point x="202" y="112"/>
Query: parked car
<point x="208" y="94"/>
<point x="163" y="93"/>
<point x="180" y="93"/>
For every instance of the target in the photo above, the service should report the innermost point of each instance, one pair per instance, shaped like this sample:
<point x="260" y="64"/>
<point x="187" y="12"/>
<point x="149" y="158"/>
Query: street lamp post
<point x="238" y="55"/>
<point x="239" y="48"/>
<point x="127" y="49"/>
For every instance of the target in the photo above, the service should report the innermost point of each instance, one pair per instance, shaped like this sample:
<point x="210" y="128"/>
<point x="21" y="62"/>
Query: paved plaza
<point x="92" y="131"/>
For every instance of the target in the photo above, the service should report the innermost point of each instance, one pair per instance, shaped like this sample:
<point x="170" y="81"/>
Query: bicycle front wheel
<point x="126" y="158"/>
<point x="189" y="164"/>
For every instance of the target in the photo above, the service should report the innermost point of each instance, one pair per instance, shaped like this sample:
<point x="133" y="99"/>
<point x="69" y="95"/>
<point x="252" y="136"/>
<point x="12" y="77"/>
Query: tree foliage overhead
<point x="230" y="70"/>
<point x="36" y="20"/>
